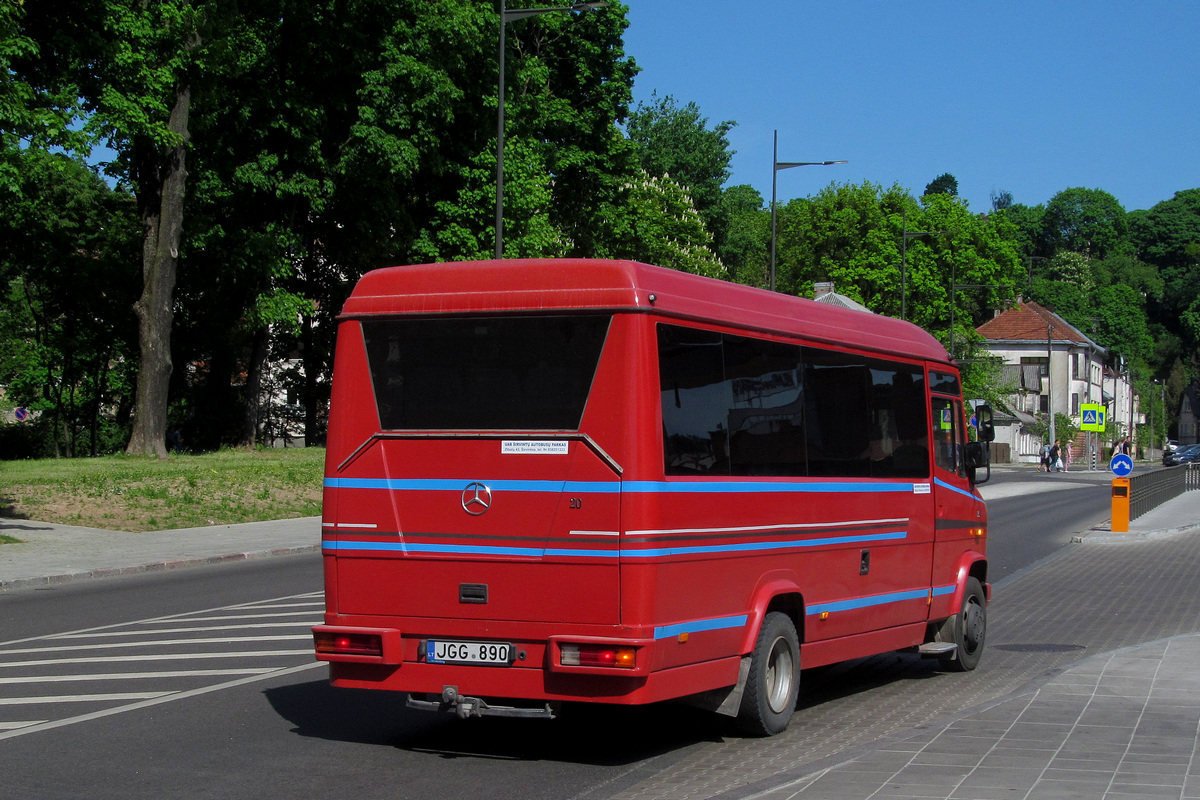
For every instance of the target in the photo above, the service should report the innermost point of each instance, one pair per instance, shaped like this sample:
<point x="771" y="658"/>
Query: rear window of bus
<point x="483" y="373"/>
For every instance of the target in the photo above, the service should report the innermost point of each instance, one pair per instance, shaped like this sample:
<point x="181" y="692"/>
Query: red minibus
<point x="601" y="481"/>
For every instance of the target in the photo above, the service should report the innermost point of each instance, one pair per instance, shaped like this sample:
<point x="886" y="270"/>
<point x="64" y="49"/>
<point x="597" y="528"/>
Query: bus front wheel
<point x="968" y="629"/>
<point x="773" y="684"/>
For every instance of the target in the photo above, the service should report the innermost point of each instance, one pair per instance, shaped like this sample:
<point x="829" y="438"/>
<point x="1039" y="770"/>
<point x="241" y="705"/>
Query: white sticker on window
<point x="920" y="488"/>
<point x="537" y="448"/>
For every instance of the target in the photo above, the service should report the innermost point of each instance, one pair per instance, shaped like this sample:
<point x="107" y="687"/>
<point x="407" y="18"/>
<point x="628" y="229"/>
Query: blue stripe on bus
<point x="867" y="602"/>
<point x="468" y="550"/>
<point x="715" y="624"/>
<point x="435" y="485"/>
<point x="754" y="487"/>
<point x="938" y="591"/>
<point x="945" y="485"/>
<point x="613" y="487"/>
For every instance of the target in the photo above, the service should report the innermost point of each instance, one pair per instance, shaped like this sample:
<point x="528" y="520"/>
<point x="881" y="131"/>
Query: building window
<point x="1042" y="362"/>
<point x="1043" y="403"/>
<point x="1075" y="404"/>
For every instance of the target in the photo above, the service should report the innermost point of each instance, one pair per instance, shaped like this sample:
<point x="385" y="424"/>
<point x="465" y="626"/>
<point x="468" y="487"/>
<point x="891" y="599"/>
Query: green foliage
<point x="745" y="249"/>
<point x="943" y="184"/>
<point x="1088" y="221"/>
<point x="662" y="227"/>
<point x="66" y="332"/>
<point x="675" y="141"/>
<point x="853" y="236"/>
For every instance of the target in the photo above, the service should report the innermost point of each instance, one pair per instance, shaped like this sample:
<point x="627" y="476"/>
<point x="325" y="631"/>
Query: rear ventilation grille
<point x="473" y="593"/>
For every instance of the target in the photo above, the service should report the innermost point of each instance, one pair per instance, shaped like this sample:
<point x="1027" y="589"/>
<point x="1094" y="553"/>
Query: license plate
<point x="493" y="654"/>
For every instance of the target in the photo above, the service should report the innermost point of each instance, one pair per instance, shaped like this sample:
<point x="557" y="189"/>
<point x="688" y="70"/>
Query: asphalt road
<point x="209" y="691"/>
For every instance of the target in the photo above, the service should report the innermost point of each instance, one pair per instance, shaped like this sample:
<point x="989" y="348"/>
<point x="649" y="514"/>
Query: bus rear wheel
<point x="773" y="684"/>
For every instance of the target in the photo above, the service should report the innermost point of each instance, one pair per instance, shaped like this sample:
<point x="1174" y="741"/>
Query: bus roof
<point x="577" y="284"/>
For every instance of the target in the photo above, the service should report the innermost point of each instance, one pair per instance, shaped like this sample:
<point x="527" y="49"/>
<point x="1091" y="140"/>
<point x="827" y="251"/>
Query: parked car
<point x="1183" y="455"/>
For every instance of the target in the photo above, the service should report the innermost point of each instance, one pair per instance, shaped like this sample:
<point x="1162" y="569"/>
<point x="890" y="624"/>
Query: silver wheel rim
<point x="780" y="674"/>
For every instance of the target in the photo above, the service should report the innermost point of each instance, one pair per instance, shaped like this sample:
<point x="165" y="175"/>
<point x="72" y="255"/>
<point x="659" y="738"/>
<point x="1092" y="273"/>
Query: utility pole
<point x="1050" y="379"/>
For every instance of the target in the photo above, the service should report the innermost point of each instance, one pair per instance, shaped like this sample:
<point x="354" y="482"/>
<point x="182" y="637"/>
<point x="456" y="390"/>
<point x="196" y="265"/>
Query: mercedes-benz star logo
<point x="476" y="498"/>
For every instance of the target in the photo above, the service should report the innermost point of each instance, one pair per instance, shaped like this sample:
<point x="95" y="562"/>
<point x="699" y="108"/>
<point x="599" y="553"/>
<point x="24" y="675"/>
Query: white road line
<point x="120" y="676"/>
<point x="122" y="659"/>
<point x="230" y="616"/>
<point x="80" y="698"/>
<point x="19" y="723"/>
<point x="59" y="723"/>
<point x="183" y="616"/>
<point x="291" y="637"/>
<point x="200" y="629"/>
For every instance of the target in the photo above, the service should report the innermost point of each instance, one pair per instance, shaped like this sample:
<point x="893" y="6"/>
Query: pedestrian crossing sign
<point x="1092" y="417"/>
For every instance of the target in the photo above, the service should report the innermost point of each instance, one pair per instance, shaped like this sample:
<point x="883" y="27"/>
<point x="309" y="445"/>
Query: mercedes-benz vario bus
<point x="607" y="482"/>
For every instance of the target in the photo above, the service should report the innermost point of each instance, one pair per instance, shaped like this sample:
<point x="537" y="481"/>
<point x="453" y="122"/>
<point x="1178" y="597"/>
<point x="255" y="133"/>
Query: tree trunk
<point x="250" y="403"/>
<point x="160" y="197"/>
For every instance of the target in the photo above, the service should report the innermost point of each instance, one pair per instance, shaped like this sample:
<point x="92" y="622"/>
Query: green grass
<point x="140" y="494"/>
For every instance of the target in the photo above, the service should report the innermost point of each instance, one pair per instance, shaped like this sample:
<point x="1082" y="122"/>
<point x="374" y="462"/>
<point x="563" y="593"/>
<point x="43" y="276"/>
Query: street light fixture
<point x="508" y="15"/>
<point x="776" y="166"/>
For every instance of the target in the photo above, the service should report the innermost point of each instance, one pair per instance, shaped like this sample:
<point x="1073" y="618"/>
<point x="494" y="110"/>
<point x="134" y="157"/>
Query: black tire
<point x="769" y="697"/>
<point x="967" y="629"/>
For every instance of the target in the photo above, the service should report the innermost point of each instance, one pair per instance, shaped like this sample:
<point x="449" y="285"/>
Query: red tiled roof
<point x="1026" y="322"/>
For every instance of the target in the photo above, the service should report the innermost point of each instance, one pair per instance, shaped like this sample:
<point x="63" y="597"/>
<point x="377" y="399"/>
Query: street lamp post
<point x="508" y="15"/>
<point x="777" y="165"/>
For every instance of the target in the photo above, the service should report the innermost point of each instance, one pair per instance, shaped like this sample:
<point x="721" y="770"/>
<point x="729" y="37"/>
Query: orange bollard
<point x="1120" y="505"/>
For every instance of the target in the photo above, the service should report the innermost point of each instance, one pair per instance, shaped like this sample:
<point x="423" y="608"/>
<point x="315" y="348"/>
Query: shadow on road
<point x="584" y="733"/>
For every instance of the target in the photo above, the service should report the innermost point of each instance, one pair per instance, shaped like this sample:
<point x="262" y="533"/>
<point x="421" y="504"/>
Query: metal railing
<point x="1151" y="489"/>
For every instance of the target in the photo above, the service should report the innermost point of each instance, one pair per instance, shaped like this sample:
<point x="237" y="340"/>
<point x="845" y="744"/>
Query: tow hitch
<point x="466" y="707"/>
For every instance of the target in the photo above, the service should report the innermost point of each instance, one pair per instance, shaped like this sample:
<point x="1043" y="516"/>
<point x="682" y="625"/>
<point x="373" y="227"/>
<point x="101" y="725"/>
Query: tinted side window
<point x="866" y="417"/>
<point x="695" y="400"/>
<point x="734" y="405"/>
<point x="766" y="418"/>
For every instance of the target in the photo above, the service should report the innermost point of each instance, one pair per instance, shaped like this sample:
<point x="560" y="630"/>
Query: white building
<point x="1049" y="363"/>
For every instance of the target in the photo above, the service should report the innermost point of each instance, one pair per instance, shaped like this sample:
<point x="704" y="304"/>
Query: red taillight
<point x="597" y="655"/>
<point x="352" y="644"/>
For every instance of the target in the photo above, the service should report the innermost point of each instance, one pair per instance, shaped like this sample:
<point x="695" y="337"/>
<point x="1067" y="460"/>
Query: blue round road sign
<point x="1121" y="465"/>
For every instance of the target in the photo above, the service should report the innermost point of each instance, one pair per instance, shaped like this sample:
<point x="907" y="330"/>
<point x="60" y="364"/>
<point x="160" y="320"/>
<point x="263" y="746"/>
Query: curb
<point x="158" y="566"/>
<point x="1103" y="535"/>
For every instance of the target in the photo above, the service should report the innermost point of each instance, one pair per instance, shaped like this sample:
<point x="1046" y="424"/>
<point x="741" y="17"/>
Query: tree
<point x="134" y="69"/>
<point x="676" y="141"/>
<point x="566" y="163"/>
<point x="747" y="239"/>
<point x="661" y="226"/>
<point x="1087" y="221"/>
<point x="65" y="332"/>
<point x="853" y="236"/>
<point x="1167" y="236"/>
<point x="942" y="184"/>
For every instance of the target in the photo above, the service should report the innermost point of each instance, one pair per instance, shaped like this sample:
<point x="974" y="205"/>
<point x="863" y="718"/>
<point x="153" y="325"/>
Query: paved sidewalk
<point x="50" y="553"/>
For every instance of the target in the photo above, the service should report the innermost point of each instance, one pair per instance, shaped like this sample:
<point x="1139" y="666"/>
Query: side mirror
<point x="978" y="454"/>
<point x="984" y="424"/>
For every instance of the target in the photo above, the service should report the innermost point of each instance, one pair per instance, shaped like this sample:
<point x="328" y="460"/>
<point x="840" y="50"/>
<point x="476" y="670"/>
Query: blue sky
<point x="1027" y="97"/>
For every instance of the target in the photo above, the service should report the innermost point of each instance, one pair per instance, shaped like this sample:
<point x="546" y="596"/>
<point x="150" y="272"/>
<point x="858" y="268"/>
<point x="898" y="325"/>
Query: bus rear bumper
<point x="533" y="683"/>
